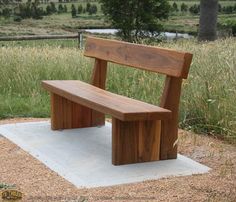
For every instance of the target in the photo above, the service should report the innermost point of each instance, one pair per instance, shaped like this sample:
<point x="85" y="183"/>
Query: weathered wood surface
<point x="165" y="61"/>
<point x="135" y="141"/>
<point x="118" y="106"/>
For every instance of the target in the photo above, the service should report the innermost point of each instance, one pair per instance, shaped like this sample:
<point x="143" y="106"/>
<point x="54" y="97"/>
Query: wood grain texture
<point x="135" y="141"/>
<point x="99" y="80"/>
<point x="169" y="128"/>
<point x="118" y="106"/>
<point x="140" y="131"/>
<point x="66" y="114"/>
<point x="165" y="61"/>
<point x="99" y="74"/>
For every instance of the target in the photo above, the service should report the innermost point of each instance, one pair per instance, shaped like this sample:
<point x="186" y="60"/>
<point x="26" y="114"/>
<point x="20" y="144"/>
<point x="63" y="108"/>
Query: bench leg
<point x="66" y="114"/>
<point x="169" y="137"/>
<point x="135" y="141"/>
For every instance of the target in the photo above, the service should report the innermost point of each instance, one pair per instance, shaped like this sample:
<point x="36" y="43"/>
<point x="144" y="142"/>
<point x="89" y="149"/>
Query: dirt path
<point x="38" y="183"/>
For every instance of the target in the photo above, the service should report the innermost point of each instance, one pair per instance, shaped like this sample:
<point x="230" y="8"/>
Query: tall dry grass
<point x="208" y="96"/>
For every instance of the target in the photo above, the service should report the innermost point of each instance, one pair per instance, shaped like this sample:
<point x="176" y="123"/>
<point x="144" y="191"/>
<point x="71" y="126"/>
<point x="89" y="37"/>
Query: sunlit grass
<point x="208" y="96"/>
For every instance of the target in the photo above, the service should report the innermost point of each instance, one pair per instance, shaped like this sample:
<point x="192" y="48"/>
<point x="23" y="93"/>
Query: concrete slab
<point x="83" y="156"/>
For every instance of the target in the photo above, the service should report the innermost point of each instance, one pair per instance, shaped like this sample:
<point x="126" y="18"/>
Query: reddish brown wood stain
<point x="141" y="132"/>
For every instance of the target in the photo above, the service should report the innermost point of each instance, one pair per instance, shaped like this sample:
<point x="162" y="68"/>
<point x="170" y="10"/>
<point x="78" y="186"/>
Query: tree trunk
<point x="208" y="20"/>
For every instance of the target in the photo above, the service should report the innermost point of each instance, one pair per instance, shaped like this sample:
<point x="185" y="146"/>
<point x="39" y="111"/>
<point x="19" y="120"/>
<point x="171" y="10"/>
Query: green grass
<point x="6" y="186"/>
<point x="208" y="95"/>
<point x="42" y="43"/>
<point x="53" y="24"/>
<point x="64" y="23"/>
<point x="207" y="103"/>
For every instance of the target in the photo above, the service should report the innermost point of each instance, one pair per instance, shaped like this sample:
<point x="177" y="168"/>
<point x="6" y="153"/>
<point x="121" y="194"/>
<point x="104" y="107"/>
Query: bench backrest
<point x="174" y="64"/>
<point x="164" y="61"/>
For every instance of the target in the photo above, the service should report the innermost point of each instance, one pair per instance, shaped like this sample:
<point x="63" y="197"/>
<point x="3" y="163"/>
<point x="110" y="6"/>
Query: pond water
<point x="168" y="35"/>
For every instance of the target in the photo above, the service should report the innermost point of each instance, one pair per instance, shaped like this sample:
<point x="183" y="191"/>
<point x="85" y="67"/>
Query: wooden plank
<point x="135" y="141"/>
<point x="165" y="61"/>
<point x="169" y="128"/>
<point x="121" y="107"/>
<point x="99" y="80"/>
<point x="66" y="114"/>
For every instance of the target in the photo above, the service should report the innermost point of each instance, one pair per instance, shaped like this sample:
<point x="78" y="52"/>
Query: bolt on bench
<point x="141" y="132"/>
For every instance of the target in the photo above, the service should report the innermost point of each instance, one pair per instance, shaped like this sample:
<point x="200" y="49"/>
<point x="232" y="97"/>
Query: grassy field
<point x="208" y="96"/>
<point x="64" y="23"/>
<point x="53" y="24"/>
<point x="190" y="23"/>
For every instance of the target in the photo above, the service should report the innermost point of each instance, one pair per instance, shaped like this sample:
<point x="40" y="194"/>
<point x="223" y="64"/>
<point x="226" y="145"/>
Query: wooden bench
<point x="141" y="132"/>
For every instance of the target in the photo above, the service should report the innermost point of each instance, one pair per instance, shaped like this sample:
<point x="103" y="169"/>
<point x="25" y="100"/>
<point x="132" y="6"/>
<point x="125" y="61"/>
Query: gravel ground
<point x="38" y="183"/>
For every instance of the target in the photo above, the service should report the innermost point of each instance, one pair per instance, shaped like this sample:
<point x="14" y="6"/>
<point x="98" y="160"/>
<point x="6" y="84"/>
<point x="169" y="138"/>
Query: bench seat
<point x="120" y="107"/>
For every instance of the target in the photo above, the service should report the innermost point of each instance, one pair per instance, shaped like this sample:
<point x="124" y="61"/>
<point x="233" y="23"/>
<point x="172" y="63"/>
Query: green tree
<point x="80" y="9"/>
<point x="65" y="9"/>
<point x="195" y="9"/>
<point x="73" y="11"/>
<point x="5" y="2"/>
<point x="229" y="9"/>
<point x="60" y="8"/>
<point x="184" y="7"/>
<point x="36" y="12"/>
<point x="93" y="9"/>
<point x="175" y="7"/>
<point x="48" y="10"/>
<point x="6" y="12"/>
<point x="88" y="7"/>
<point x="53" y="7"/>
<point x="136" y="19"/>
<point x="30" y="9"/>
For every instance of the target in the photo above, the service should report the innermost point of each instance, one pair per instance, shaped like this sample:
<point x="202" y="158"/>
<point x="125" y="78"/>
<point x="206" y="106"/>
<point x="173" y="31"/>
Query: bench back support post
<point x="99" y="80"/>
<point x="169" y="128"/>
<point x="99" y="74"/>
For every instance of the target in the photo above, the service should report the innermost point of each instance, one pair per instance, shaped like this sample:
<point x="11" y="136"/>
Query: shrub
<point x="48" y="10"/>
<point x="73" y="11"/>
<point x="65" y="8"/>
<point x="6" y="12"/>
<point x="53" y="7"/>
<point x="231" y="24"/>
<point x="195" y="9"/>
<point x="60" y="8"/>
<point x="17" y="18"/>
<point x="93" y="9"/>
<point x="88" y="5"/>
<point x="175" y="7"/>
<point x="184" y="7"/>
<point x="80" y="9"/>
